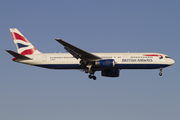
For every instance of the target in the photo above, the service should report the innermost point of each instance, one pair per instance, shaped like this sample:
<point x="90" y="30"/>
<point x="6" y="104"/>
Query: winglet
<point x="18" y="56"/>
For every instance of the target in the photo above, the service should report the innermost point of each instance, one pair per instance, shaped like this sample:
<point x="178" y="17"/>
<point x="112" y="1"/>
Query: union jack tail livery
<point x="24" y="47"/>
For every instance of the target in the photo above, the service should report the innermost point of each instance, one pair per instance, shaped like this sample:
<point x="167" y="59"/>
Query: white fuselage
<point x="122" y="60"/>
<point x="108" y="63"/>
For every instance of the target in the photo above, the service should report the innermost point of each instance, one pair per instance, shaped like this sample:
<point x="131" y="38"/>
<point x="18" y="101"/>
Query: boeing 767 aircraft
<point x="109" y="64"/>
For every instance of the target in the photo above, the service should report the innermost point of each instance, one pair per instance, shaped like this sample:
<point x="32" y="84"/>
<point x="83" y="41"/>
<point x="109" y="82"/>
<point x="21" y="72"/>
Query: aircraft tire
<point x="90" y="76"/>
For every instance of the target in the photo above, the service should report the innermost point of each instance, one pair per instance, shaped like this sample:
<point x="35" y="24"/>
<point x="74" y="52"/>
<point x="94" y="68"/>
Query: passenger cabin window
<point x="167" y="57"/>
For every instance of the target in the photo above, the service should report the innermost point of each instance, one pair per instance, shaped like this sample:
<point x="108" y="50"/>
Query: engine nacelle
<point x="105" y="63"/>
<point x="110" y="73"/>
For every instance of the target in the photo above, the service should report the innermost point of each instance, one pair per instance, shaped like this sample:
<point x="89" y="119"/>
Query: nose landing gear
<point x="160" y="73"/>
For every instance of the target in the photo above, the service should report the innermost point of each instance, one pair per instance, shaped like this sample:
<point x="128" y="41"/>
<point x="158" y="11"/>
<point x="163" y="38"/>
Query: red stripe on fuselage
<point x="154" y="55"/>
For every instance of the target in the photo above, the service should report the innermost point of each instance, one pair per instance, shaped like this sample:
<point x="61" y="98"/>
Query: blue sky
<point x="28" y="92"/>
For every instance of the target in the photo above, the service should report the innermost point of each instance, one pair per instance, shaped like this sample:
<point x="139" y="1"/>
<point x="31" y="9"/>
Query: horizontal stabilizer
<point x="18" y="56"/>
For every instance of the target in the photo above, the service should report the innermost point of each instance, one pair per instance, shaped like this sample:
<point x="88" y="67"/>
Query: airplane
<point x="109" y="64"/>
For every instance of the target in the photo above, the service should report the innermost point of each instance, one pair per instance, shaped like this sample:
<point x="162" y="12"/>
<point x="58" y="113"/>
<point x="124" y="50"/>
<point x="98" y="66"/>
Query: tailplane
<point x="18" y="56"/>
<point x="24" y="47"/>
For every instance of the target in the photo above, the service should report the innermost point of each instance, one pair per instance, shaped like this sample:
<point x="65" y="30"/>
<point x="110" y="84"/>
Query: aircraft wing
<point x="77" y="52"/>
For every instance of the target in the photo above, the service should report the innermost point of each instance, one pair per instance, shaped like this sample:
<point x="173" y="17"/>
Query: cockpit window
<point x="167" y="57"/>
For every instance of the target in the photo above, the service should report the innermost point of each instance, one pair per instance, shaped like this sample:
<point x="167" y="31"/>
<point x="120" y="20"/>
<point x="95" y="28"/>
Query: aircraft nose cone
<point x="171" y="61"/>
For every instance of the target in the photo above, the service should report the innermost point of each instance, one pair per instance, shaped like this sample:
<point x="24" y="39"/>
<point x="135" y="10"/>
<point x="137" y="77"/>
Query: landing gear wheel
<point x="94" y="77"/>
<point x="90" y="76"/>
<point x="160" y="73"/>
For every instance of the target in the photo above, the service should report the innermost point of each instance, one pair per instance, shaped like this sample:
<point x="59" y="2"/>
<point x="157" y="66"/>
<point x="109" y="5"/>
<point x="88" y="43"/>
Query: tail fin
<point x="24" y="47"/>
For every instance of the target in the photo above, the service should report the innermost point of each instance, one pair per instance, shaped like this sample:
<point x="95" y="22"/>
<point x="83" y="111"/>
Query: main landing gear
<point x="89" y="70"/>
<point x="160" y="73"/>
<point x="92" y="77"/>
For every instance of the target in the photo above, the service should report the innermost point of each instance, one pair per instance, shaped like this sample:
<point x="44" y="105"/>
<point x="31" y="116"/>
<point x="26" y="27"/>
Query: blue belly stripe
<point x="141" y="66"/>
<point x="118" y="66"/>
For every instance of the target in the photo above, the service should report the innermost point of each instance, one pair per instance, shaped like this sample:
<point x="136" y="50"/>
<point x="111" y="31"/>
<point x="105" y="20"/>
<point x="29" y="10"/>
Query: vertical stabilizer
<point x="24" y="47"/>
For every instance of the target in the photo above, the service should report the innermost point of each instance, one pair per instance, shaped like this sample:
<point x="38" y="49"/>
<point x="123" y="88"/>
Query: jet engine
<point x="105" y="63"/>
<point x="110" y="73"/>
